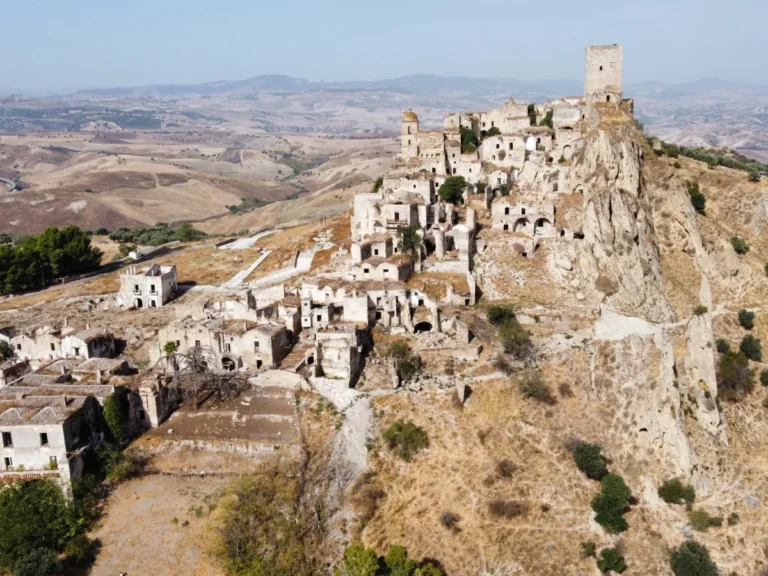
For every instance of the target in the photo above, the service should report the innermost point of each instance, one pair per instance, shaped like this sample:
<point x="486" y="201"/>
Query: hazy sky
<point x="58" y="45"/>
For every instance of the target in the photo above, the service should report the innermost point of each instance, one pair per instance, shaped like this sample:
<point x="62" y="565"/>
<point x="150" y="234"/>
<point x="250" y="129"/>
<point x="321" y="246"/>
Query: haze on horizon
<point x="51" y="46"/>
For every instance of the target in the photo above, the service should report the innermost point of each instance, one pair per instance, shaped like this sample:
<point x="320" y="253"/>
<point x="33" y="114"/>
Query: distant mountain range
<point x="422" y="84"/>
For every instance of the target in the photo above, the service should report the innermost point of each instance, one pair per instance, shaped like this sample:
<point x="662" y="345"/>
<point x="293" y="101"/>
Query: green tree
<point x="588" y="549"/>
<point x="692" y="559"/>
<point x="675" y="492"/>
<point x="116" y="414"/>
<point x="611" y="503"/>
<point x="125" y="249"/>
<point x="428" y="569"/>
<point x="406" y="438"/>
<point x="611" y="560"/>
<point x="735" y="378"/>
<point x="6" y="350"/>
<point x="589" y="460"/>
<point x="723" y="346"/>
<point x="468" y="138"/>
<point x="407" y="363"/>
<point x="39" y="562"/>
<point x="170" y="348"/>
<point x="409" y="241"/>
<point x="494" y="131"/>
<point x="33" y="515"/>
<point x="398" y="563"/>
<point x="747" y="319"/>
<point x="360" y="561"/>
<point x="379" y="182"/>
<point x="515" y="339"/>
<point x="532" y="114"/>
<point x="739" y="245"/>
<point x="185" y="233"/>
<point x="452" y="190"/>
<point x="751" y="348"/>
<point x="754" y="176"/>
<point x="500" y="313"/>
<point x="764" y="377"/>
<point x="547" y="120"/>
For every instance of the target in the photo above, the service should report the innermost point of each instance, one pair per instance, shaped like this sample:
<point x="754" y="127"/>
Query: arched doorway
<point x="522" y="225"/>
<point x="228" y="364"/>
<point x="567" y="152"/>
<point x="138" y="303"/>
<point x="422" y="327"/>
<point x="542" y="227"/>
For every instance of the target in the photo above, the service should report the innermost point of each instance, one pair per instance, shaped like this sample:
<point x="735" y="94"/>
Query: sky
<point x="55" y="46"/>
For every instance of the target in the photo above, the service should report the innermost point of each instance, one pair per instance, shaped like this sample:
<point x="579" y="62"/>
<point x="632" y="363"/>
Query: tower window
<point x="601" y="68"/>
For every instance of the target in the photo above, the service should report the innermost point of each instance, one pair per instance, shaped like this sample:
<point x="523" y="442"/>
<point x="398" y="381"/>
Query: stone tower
<point x="408" y="134"/>
<point x="603" y="74"/>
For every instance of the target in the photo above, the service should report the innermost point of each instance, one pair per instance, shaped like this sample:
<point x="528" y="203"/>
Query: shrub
<point x="733" y="519"/>
<point x="452" y="190"/>
<point x="701" y="520"/>
<point x="676" y="165"/>
<point x="378" y="183"/>
<point x="39" y="562"/>
<point x="735" y="378"/>
<point x="547" y="120"/>
<point x="611" y="503"/>
<point x="766" y="269"/>
<point x="468" y="138"/>
<point x="500" y="313"/>
<point x="406" y="438"/>
<point x="739" y="245"/>
<point x="723" y="346"/>
<point x="764" y="377"/>
<point x="360" y="561"/>
<point x="747" y="319"/>
<point x="170" y="348"/>
<point x="33" y="515"/>
<point x="6" y="351"/>
<point x="119" y="466"/>
<point x="698" y="200"/>
<point x="506" y="508"/>
<point x="409" y="241"/>
<point x="449" y="520"/>
<point x="533" y="386"/>
<point x="692" y="559"/>
<point x="589" y="460"/>
<point x="493" y="131"/>
<point x="754" y="176"/>
<point x="428" y="569"/>
<point x="407" y="363"/>
<point x="116" y="414"/>
<point x="79" y="551"/>
<point x="611" y="560"/>
<point x="751" y="348"/>
<point x="505" y="469"/>
<point x="700" y="310"/>
<point x="675" y="492"/>
<point x="515" y="339"/>
<point x="588" y="549"/>
<point x="397" y="561"/>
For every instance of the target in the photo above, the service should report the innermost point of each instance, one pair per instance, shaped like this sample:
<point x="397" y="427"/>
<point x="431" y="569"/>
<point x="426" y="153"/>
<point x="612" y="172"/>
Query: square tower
<point x="603" y="74"/>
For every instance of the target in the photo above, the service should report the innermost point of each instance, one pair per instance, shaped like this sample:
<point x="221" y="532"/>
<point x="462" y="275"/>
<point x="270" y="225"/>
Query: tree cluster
<point x="452" y="190"/>
<point x="407" y="363"/>
<point x="469" y="140"/>
<point x="362" y="561"/>
<point x="515" y="339"/>
<point x="157" y="235"/>
<point x="42" y="258"/>
<point x="713" y="158"/>
<point x="405" y="438"/>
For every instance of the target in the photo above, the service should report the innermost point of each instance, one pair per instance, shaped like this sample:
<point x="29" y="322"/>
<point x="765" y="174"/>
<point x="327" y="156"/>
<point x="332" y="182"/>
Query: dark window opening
<point x="608" y="98"/>
<point x="142" y="415"/>
<point x="43" y="439"/>
<point x="259" y="364"/>
<point x="8" y="462"/>
<point x="522" y="211"/>
<point x="601" y="68"/>
<point x="310" y="360"/>
<point x="256" y="345"/>
<point x="506" y="226"/>
<point x="7" y="440"/>
<point x="53" y="347"/>
<point x="506" y="210"/>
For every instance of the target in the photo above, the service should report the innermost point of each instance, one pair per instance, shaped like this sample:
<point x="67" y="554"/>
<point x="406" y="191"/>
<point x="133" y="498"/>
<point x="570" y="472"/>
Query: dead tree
<point x="198" y="376"/>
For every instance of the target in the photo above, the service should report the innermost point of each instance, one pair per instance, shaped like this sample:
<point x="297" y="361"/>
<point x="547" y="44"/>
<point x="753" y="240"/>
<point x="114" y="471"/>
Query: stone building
<point x="603" y="74"/>
<point x="150" y="287"/>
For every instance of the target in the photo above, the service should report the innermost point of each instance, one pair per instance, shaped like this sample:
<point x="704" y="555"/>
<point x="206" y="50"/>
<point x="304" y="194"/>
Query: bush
<point x="116" y="414"/>
<point x="406" y="438"/>
<point x="611" y="560"/>
<point x="121" y="465"/>
<point x="701" y="520"/>
<point x="493" y="131"/>
<point x="39" y="562"/>
<point x="505" y="469"/>
<point x="698" y="200"/>
<point x="33" y="515"/>
<point x="533" y="386"/>
<point x="468" y="138"/>
<point x="588" y="549"/>
<point x="6" y="351"/>
<point x="79" y="551"/>
<point x="735" y="378"/>
<point x="739" y="245"/>
<point x="611" y="503"/>
<point x="764" y="377"/>
<point x="547" y="120"/>
<point x="747" y="319"/>
<point x="506" y="508"/>
<point x="407" y="363"/>
<point x="692" y="559"/>
<point x="500" y="313"/>
<point x="449" y="520"/>
<point x="452" y="190"/>
<point x="515" y="339"/>
<point x="754" y="176"/>
<point x="733" y="519"/>
<point x="700" y="310"/>
<point x="675" y="492"/>
<point x="723" y="346"/>
<point x="378" y="183"/>
<point x="751" y="348"/>
<point x="360" y="561"/>
<point x="589" y="460"/>
<point x="397" y="561"/>
<point x="409" y="241"/>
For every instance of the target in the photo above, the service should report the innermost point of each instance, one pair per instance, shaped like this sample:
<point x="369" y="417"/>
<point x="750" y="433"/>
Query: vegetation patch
<point x="675" y="492"/>
<point x="692" y="559"/>
<point x="589" y="460"/>
<point x="735" y="379"/>
<point x="611" y="503"/>
<point x="406" y="439"/>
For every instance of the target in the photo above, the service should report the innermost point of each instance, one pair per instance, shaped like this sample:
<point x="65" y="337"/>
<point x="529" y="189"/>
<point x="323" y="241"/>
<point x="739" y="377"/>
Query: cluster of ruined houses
<point x="523" y="162"/>
<point x="52" y="390"/>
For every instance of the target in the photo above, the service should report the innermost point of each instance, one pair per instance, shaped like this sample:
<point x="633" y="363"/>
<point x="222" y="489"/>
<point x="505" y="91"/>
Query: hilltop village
<point x="408" y="268"/>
